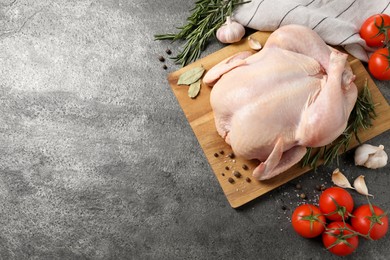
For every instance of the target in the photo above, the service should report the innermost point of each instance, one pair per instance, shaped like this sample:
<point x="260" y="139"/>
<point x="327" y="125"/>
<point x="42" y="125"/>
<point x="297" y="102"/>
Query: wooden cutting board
<point x="200" y="116"/>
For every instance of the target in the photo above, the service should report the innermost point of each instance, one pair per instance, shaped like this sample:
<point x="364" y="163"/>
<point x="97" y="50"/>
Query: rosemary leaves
<point x="207" y="16"/>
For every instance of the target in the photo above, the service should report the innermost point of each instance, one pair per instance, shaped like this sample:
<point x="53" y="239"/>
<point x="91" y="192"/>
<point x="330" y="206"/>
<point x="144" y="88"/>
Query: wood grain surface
<point x="200" y="116"/>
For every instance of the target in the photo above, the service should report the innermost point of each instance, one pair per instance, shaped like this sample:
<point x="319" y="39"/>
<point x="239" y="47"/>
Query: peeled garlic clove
<point x="360" y="186"/>
<point x="254" y="44"/>
<point x="340" y="180"/>
<point x="230" y="32"/>
<point x="370" y="156"/>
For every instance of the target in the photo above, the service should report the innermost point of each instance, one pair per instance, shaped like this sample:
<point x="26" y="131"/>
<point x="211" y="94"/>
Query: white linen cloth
<point x="337" y="21"/>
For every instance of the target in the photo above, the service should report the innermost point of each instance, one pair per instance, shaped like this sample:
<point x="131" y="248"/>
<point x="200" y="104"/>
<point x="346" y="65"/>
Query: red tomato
<point x="308" y="221"/>
<point x="374" y="29"/>
<point x="379" y="64"/>
<point x="339" y="240"/>
<point x="363" y="219"/>
<point x="336" y="202"/>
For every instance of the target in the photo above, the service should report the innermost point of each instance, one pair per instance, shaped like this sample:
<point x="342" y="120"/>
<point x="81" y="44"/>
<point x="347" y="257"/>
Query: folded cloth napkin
<point x="337" y="22"/>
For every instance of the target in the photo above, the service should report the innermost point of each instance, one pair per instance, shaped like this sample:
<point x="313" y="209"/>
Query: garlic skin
<point x="230" y="32"/>
<point x="371" y="156"/>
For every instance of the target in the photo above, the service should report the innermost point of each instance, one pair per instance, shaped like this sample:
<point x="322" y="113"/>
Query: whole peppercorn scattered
<point x="231" y="180"/>
<point x="284" y="207"/>
<point x="216" y="155"/>
<point x="245" y="167"/>
<point x="237" y="174"/>
<point x="227" y="168"/>
<point x="168" y="51"/>
<point x="161" y="58"/>
<point x="248" y="179"/>
<point x="165" y="67"/>
<point x="231" y="155"/>
<point x="221" y="152"/>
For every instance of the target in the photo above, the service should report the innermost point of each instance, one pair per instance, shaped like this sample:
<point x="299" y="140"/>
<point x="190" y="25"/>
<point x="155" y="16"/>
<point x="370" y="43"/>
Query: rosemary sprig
<point x="360" y="118"/>
<point x="207" y="16"/>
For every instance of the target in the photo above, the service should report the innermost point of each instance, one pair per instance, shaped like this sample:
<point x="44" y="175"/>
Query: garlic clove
<point x="339" y="179"/>
<point x="362" y="153"/>
<point x="254" y="44"/>
<point x="371" y="156"/>
<point x="230" y="32"/>
<point x="360" y="186"/>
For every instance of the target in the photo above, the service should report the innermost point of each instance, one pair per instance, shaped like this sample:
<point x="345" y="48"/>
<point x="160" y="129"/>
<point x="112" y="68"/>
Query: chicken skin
<point x="297" y="92"/>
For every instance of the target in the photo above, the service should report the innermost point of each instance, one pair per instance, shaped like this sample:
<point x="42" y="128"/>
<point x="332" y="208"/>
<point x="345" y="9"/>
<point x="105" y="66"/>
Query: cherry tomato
<point x="338" y="240"/>
<point x="374" y="29"/>
<point x="364" y="217"/>
<point x="308" y="221"/>
<point x="336" y="202"/>
<point x="379" y="64"/>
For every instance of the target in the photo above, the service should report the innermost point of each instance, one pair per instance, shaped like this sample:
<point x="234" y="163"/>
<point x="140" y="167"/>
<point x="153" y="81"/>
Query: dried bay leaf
<point x="191" y="76"/>
<point x="194" y="89"/>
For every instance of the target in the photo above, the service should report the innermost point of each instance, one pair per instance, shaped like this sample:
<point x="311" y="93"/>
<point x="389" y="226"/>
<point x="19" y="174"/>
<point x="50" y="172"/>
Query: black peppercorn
<point x="161" y="58"/>
<point x="237" y="174"/>
<point x="231" y="180"/>
<point x="231" y="155"/>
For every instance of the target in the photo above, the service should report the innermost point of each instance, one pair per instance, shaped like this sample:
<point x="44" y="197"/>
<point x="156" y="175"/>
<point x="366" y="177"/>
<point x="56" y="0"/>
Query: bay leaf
<point x="194" y="89"/>
<point x="191" y="76"/>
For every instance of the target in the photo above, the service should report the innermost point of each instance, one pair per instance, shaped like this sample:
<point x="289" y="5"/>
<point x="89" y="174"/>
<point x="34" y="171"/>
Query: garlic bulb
<point x="371" y="156"/>
<point x="230" y="32"/>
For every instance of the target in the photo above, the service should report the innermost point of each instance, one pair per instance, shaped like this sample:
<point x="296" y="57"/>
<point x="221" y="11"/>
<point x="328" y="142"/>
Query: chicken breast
<point x="297" y="92"/>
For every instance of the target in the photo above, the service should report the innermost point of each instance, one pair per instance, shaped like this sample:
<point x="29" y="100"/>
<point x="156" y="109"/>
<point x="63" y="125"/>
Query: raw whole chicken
<point x="297" y="92"/>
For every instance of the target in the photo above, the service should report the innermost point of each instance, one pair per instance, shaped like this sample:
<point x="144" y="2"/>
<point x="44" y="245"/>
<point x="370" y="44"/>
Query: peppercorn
<point x="165" y="67"/>
<point x="245" y="167"/>
<point x="231" y="155"/>
<point x="248" y="179"/>
<point x="237" y="174"/>
<point x="231" y="180"/>
<point x="161" y="58"/>
<point x="221" y="152"/>
<point x="216" y="155"/>
<point x="227" y="168"/>
<point x="168" y="51"/>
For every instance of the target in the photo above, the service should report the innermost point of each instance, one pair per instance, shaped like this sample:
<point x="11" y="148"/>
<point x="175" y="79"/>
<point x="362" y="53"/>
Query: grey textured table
<point x="97" y="160"/>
